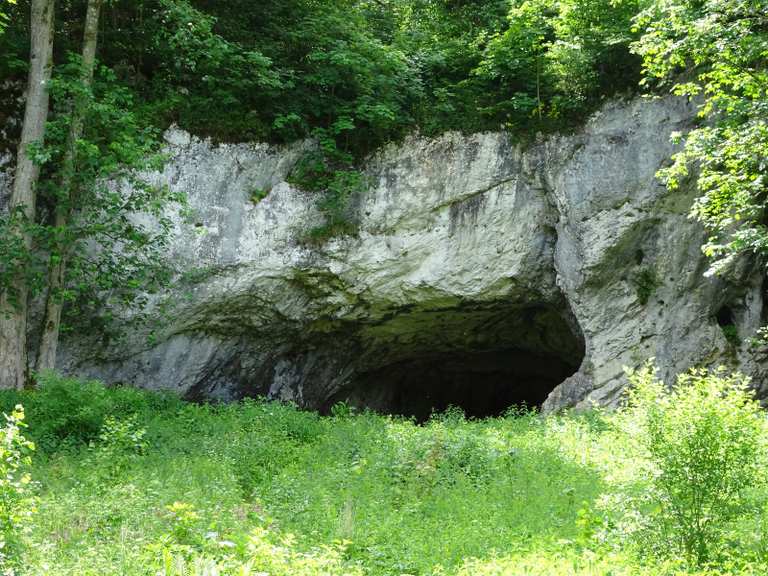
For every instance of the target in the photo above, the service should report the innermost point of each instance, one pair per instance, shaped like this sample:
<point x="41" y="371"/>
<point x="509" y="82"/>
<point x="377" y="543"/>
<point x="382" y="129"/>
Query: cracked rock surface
<point x="485" y="273"/>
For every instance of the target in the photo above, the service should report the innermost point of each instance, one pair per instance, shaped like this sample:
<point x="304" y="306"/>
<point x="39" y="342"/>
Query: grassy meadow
<point x="131" y="483"/>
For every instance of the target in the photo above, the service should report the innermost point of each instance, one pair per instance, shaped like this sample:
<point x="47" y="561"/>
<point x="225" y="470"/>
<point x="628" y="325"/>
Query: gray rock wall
<point x="550" y="266"/>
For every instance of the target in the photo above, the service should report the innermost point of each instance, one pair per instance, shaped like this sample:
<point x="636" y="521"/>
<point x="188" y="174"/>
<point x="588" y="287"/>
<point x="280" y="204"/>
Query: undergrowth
<point x="333" y="176"/>
<point x="136" y="483"/>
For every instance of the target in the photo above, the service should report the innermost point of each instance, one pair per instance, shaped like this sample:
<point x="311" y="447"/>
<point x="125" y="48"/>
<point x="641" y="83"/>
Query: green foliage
<point x="259" y="486"/>
<point x="342" y="410"/>
<point x="115" y="241"/>
<point x="715" y="51"/>
<point x="705" y="440"/>
<point x="384" y="67"/>
<point x="258" y="453"/>
<point x="336" y="204"/>
<point x="258" y="194"/>
<point x="269" y="553"/>
<point x="118" y="437"/>
<point x="446" y="456"/>
<point x="200" y="71"/>
<point x="118" y="443"/>
<point x="17" y="261"/>
<point x="731" y="333"/>
<point x="184" y="522"/>
<point x="118" y="224"/>
<point x="70" y="413"/>
<point x="556" y="58"/>
<point x="248" y="475"/>
<point x="3" y="14"/>
<point x="17" y="491"/>
<point x="645" y="282"/>
<point x="330" y="173"/>
<point x="352" y="74"/>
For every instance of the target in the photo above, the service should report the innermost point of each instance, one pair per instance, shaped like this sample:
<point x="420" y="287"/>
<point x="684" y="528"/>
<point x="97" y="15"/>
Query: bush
<point x="118" y="445"/>
<point x="17" y="500"/>
<point x="68" y="412"/>
<point x="704" y="441"/>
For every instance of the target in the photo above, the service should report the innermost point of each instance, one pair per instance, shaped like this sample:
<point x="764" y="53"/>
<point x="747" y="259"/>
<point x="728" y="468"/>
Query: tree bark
<point x="49" y="340"/>
<point x="13" y="311"/>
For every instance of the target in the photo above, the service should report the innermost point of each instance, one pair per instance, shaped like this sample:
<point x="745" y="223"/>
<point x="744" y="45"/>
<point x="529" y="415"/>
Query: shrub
<point x="645" y="282"/>
<point x="118" y="444"/>
<point x="17" y="500"/>
<point x="69" y="412"/>
<point x="280" y="556"/>
<point x="118" y="437"/>
<point x="703" y="439"/>
<point x="184" y="520"/>
<point x="442" y="454"/>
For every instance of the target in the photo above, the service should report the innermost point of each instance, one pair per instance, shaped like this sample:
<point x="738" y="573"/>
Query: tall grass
<point x="133" y="483"/>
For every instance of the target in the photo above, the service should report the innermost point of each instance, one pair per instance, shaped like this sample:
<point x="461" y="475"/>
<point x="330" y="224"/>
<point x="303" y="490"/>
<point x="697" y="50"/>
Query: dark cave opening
<point x="523" y="356"/>
<point x="482" y="384"/>
<point x="725" y="317"/>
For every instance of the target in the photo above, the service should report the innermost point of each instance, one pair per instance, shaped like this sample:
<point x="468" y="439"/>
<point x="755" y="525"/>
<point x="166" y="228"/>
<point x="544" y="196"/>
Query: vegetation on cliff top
<point x="368" y="70"/>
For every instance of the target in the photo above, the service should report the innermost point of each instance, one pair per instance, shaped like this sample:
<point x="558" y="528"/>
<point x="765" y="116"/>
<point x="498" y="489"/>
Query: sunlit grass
<point x="260" y="488"/>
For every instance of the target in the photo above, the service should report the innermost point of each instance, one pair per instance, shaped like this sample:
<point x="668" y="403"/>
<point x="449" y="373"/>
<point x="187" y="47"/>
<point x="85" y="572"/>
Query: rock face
<point x="484" y="274"/>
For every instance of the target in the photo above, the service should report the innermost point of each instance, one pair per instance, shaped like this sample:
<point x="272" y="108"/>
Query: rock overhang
<point x="461" y="228"/>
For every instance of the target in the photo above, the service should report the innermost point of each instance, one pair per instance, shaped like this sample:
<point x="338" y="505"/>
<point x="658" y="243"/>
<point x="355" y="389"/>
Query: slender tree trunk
<point x="49" y="341"/>
<point x="13" y="311"/>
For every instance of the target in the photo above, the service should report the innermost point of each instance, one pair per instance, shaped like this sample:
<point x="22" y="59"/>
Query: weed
<point x="645" y="282"/>
<point x="731" y="333"/>
<point x="258" y="194"/>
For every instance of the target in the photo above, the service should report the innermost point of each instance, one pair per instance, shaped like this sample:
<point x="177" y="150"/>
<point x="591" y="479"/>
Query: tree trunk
<point x="49" y="340"/>
<point x="13" y="314"/>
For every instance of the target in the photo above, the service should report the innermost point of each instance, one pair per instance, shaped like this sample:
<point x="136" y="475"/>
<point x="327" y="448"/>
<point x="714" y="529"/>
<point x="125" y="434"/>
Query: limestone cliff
<point x="484" y="273"/>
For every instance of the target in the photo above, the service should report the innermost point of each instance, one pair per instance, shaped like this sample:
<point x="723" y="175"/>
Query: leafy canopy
<point x="716" y="52"/>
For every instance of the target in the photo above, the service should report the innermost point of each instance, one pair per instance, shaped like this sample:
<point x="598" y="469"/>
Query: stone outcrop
<point x="485" y="273"/>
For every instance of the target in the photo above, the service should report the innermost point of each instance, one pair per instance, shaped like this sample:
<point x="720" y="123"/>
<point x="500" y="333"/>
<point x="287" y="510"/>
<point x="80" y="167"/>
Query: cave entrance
<point x="482" y="361"/>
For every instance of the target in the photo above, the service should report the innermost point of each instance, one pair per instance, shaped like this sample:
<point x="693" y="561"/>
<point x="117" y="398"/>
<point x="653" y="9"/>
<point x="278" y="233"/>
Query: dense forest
<point x="360" y="72"/>
<point x="101" y="480"/>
